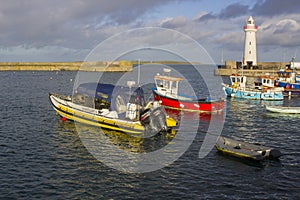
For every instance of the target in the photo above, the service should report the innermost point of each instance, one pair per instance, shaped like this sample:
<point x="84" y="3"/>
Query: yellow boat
<point x="124" y="114"/>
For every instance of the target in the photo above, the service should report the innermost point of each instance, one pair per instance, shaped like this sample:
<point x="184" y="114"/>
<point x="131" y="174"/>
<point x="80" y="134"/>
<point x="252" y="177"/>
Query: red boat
<point x="166" y="91"/>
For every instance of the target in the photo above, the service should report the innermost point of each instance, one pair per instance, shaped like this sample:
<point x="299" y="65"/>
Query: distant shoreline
<point x="100" y="66"/>
<point x="118" y="66"/>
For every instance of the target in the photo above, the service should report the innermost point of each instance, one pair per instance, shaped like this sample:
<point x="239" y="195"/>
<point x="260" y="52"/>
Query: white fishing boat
<point x="283" y="109"/>
<point x="240" y="89"/>
<point x="166" y="91"/>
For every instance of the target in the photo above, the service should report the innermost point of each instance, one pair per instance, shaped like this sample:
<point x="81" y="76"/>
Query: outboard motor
<point x="154" y="119"/>
<point x="145" y="117"/>
<point x="274" y="154"/>
<point x="158" y="119"/>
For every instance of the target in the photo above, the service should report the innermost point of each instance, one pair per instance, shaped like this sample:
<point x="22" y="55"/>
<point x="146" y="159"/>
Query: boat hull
<point x="282" y="109"/>
<point x="252" y="95"/>
<point x="287" y="85"/>
<point x="66" y="110"/>
<point x="289" y="88"/>
<point x="291" y="92"/>
<point x="238" y="149"/>
<point x="205" y="106"/>
<point x="90" y="116"/>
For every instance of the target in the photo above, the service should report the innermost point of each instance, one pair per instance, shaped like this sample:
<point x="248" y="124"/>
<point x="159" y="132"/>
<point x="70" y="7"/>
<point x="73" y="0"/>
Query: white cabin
<point x="167" y="85"/>
<point x="238" y="81"/>
<point x="295" y="65"/>
<point x="267" y="81"/>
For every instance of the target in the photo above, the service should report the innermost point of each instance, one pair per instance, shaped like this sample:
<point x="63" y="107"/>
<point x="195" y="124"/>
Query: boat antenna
<point x="139" y="72"/>
<point x="167" y="71"/>
<point x="293" y="63"/>
<point x="222" y="57"/>
<point x="243" y="66"/>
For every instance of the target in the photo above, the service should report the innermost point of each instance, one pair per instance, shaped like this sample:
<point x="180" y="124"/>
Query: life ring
<point x="287" y="86"/>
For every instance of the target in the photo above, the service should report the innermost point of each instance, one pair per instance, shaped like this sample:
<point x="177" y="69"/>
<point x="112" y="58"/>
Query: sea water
<point x="44" y="158"/>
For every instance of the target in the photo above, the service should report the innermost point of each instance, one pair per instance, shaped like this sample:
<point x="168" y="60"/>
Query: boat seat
<point x="113" y="114"/>
<point x="120" y="104"/>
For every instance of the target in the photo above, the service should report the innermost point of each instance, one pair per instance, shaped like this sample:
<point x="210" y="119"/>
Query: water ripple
<point x="43" y="158"/>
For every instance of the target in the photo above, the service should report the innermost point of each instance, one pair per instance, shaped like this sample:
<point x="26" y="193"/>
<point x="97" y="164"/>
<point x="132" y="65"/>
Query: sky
<point x="68" y="30"/>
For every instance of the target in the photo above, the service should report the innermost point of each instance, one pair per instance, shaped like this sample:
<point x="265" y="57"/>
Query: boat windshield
<point x="111" y="96"/>
<point x="238" y="79"/>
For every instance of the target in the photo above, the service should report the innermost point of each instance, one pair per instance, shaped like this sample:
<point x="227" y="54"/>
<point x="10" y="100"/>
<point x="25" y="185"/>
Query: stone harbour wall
<point x="118" y="66"/>
<point x="262" y="68"/>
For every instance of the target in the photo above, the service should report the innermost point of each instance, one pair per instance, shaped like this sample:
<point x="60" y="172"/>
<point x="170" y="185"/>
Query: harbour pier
<point x="117" y="66"/>
<point x="262" y="68"/>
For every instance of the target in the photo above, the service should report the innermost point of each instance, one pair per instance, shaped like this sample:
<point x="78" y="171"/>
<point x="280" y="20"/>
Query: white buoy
<point x="166" y="70"/>
<point x="130" y="83"/>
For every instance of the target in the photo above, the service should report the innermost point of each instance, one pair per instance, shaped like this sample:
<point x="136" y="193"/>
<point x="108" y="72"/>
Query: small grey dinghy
<point x="254" y="152"/>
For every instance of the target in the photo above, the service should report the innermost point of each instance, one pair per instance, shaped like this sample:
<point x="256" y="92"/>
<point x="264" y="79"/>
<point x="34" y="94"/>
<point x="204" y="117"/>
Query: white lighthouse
<point x="249" y="58"/>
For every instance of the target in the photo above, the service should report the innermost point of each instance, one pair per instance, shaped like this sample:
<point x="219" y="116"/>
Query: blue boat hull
<point x="252" y="95"/>
<point x="289" y="88"/>
<point x="283" y="84"/>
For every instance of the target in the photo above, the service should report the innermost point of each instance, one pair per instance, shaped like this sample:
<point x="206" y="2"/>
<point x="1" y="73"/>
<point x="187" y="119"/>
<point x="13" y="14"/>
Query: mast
<point x="139" y="72"/>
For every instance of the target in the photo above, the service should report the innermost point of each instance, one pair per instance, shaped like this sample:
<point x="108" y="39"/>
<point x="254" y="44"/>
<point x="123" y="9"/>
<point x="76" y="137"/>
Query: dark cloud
<point x="206" y="17"/>
<point x="287" y="27"/>
<point x="174" y="22"/>
<point x="231" y="11"/>
<point x="285" y="32"/>
<point x="275" y="7"/>
<point x="79" y="25"/>
<point x="234" y="10"/>
<point x="67" y="23"/>
<point x="261" y="8"/>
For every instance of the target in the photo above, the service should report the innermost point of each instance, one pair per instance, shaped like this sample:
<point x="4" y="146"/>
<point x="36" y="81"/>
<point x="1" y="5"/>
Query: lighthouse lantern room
<point x="250" y="57"/>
